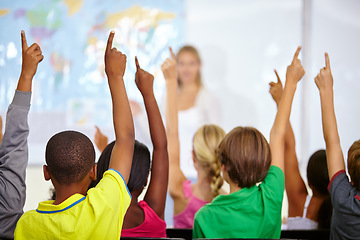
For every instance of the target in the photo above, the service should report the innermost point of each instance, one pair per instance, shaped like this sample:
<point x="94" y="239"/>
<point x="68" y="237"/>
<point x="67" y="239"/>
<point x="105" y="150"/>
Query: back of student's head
<point x="139" y="169"/>
<point x="318" y="179"/>
<point x="69" y="155"/>
<point x="317" y="172"/>
<point x="246" y="155"/>
<point x="206" y="141"/>
<point x="354" y="164"/>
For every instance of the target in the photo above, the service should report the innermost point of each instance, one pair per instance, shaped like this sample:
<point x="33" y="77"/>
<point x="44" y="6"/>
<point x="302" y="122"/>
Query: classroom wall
<point x="241" y="42"/>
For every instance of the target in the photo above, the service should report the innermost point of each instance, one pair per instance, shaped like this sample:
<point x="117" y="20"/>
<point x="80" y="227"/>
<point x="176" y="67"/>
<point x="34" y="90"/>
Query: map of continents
<point x="72" y="35"/>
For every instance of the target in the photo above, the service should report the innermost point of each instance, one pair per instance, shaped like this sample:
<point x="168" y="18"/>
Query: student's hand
<point x="101" y="141"/>
<point x="295" y="70"/>
<point x="324" y="80"/>
<point x="144" y="80"/>
<point x="31" y="56"/>
<point x="169" y="67"/>
<point x="115" y="61"/>
<point x="276" y="89"/>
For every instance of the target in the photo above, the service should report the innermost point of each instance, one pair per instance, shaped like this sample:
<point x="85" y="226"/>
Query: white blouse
<point x="206" y="110"/>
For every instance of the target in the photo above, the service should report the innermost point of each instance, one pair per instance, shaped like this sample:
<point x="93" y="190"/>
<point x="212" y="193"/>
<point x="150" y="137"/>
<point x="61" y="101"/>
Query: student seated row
<point x="78" y="213"/>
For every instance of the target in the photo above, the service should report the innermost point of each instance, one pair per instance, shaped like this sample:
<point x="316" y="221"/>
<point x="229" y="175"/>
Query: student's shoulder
<point x="205" y="211"/>
<point x="28" y="218"/>
<point x="340" y="185"/>
<point x="274" y="183"/>
<point x="275" y="174"/>
<point x="111" y="182"/>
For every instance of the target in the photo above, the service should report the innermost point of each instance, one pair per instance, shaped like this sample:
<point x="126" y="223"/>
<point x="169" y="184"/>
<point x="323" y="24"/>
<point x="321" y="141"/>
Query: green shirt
<point x="248" y="213"/>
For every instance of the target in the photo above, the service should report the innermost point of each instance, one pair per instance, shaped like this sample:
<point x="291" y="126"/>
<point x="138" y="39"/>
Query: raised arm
<point x="14" y="145"/>
<point x="1" y="129"/>
<point x="122" y="153"/>
<point x="156" y="193"/>
<point x="176" y="176"/>
<point x="294" y="185"/>
<point x="294" y="73"/>
<point x="334" y="155"/>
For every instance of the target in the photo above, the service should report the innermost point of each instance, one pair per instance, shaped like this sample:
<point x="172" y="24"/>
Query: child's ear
<point x="194" y="160"/>
<point x="46" y="173"/>
<point x="93" y="172"/>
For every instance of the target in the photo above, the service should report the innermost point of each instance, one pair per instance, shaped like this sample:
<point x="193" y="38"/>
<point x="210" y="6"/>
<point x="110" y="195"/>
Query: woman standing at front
<point x="197" y="106"/>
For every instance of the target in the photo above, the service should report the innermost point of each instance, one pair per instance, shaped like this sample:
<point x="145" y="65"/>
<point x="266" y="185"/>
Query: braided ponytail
<point x="206" y="141"/>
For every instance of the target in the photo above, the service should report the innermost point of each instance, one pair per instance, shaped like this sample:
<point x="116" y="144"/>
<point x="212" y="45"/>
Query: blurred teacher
<point x="197" y="106"/>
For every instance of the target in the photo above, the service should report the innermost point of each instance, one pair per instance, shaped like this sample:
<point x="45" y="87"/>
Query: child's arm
<point x="1" y="129"/>
<point x="156" y="193"/>
<point x="122" y="153"/>
<point x="294" y="73"/>
<point x="14" y="145"/>
<point x="294" y="185"/>
<point x="176" y="176"/>
<point x="334" y="155"/>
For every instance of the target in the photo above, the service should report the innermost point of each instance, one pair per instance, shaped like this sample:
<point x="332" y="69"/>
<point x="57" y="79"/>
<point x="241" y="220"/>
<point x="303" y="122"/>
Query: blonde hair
<point x="194" y="51"/>
<point x="206" y="142"/>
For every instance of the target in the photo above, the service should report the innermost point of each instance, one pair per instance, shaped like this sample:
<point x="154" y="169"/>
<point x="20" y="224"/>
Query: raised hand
<point x="101" y="141"/>
<point x="324" y="80"/>
<point x="31" y="56"/>
<point x="276" y="89"/>
<point x="295" y="70"/>
<point x="144" y="80"/>
<point x="115" y="61"/>
<point x="169" y="67"/>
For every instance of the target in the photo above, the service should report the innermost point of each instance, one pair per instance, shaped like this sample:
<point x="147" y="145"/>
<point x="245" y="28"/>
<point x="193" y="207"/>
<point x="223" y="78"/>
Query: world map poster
<point x="72" y="34"/>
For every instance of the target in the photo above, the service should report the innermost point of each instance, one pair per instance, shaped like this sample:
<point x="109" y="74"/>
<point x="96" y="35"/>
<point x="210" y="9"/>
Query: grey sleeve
<point x="339" y="188"/>
<point x="13" y="163"/>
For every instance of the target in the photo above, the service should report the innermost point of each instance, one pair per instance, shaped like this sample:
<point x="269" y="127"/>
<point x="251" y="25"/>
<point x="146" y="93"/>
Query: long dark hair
<point x="318" y="179"/>
<point x="139" y="169"/>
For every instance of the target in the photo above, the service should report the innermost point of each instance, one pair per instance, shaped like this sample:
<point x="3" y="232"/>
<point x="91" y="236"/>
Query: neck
<point x="63" y="192"/>
<point x="233" y="187"/>
<point x="189" y="87"/>
<point x="203" y="178"/>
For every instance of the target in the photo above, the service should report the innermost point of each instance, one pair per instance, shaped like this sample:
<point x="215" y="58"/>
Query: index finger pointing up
<point x="110" y="41"/>
<point x="296" y="56"/>
<point x="327" y="60"/>
<point x="172" y="53"/>
<point x="277" y="76"/>
<point x="137" y="63"/>
<point x="24" y="45"/>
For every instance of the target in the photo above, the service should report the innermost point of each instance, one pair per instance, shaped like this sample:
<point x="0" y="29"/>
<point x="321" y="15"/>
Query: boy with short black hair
<point x="345" y="195"/>
<point x="14" y="146"/>
<point x="77" y="213"/>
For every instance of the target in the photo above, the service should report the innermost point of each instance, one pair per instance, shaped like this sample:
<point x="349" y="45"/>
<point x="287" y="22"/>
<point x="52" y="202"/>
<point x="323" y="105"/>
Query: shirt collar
<point x="47" y="207"/>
